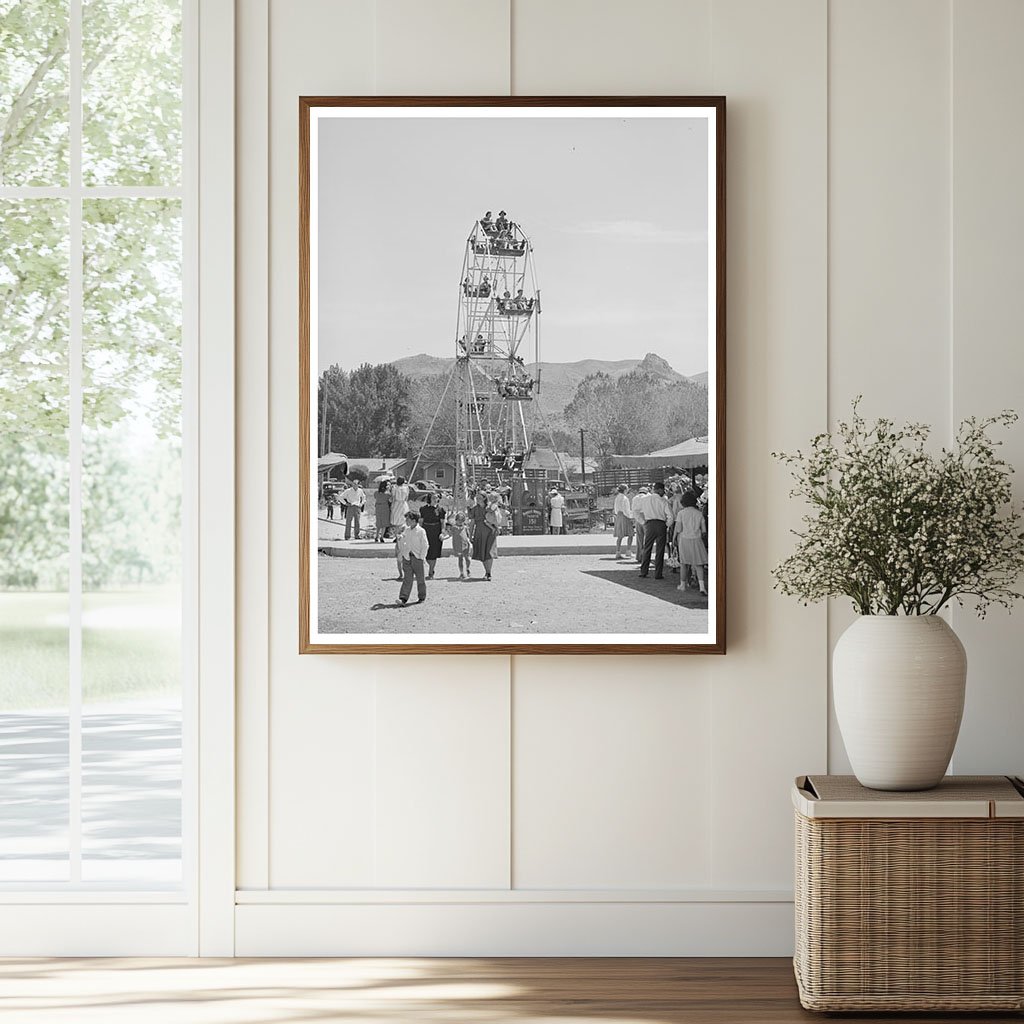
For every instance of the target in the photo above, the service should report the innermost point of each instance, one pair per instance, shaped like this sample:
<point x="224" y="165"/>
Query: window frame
<point x="120" y="918"/>
<point x="75" y="194"/>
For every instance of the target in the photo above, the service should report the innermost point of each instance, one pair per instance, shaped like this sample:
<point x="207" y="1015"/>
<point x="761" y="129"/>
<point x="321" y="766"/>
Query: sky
<point x="615" y="208"/>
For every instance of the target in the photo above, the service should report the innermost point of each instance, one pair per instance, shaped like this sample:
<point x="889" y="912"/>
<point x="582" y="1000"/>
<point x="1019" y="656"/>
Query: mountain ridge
<point x="558" y="381"/>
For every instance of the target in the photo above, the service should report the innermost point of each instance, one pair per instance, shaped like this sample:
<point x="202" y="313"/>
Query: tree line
<point x="636" y="413"/>
<point x="377" y="411"/>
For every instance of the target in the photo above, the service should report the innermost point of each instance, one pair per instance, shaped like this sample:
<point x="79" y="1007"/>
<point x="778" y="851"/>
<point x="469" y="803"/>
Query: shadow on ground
<point x="664" y="589"/>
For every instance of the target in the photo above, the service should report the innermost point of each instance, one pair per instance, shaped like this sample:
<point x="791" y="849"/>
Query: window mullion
<point x="75" y="334"/>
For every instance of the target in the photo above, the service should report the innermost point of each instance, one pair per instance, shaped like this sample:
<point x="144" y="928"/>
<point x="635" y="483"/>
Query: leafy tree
<point x="131" y="366"/>
<point x="637" y="412"/>
<point x="366" y="411"/>
<point x="429" y="396"/>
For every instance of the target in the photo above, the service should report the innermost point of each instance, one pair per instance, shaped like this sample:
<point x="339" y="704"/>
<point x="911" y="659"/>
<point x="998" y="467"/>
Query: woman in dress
<point x="483" y="532"/>
<point x="381" y="512"/>
<point x="690" y="541"/>
<point x="399" y="507"/>
<point x="623" y="521"/>
<point x="432" y="521"/>
<point x="557" y="517"/>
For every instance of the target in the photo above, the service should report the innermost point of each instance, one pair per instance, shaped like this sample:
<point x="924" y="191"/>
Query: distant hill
<point x="558" y="381"/>
<point x="700" y="378"/>
<point x="422" y="365"/>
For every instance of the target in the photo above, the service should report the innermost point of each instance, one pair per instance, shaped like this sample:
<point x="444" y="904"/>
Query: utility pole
<point x="323" y="414"/>
<point x="583" y="464"/>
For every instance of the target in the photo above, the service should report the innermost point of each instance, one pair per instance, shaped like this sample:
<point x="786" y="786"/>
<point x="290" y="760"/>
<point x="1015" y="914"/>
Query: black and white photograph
<point x="512" y="366"/>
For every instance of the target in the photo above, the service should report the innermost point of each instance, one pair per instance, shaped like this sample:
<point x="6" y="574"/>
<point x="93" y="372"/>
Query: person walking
<point x="412" y="554"/>
<point x="655" y="512"/>
<point x="381" y="512"/>
<point x="483" y="533"/>
<point x="690" y="542"/>
<point x="461" y="544"/>
<point x="636" y="505"/>
<point x="623" y="521"/>
<point x="557" y="516"/>
<point x="399" y="506"/>
<point x="432" y="521"/>
<point x="354" y="501"/>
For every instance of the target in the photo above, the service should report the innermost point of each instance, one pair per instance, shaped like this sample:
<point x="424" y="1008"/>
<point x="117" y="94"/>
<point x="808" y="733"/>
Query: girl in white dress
<point x="690" y="541"/>
<point x="399" y="507"/>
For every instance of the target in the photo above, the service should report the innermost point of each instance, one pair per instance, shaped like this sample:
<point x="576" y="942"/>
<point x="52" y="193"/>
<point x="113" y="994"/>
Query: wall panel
<point x="576" y="47"/>
<point x="612" y="777"/>
<point x="768" y="693"/>
<point x="444" y="48"/>
<point x="889" y="249"/>
<point x="987" y="365"/>
<point x="442" y="774"/>
<point x="320" y="812"/>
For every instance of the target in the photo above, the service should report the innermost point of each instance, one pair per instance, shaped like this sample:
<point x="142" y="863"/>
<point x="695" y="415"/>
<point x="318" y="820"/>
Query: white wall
<point x="543" y="805"/>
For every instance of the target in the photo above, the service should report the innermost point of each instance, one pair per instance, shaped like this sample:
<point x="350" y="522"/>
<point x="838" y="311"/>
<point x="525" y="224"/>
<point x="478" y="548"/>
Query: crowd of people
<point x="669" y="522"/>
<point x="419" y="535"/>
<point x="473" y="534"/>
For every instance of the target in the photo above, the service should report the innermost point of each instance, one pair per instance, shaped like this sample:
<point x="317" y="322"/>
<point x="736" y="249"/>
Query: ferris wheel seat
<point x="497" y="249"/>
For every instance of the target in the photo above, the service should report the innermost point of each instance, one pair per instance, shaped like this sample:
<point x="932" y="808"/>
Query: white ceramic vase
<point x="898" y="684"/>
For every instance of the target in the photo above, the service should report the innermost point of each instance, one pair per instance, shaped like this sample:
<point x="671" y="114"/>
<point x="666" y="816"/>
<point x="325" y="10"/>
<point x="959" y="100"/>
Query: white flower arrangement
<point x="899" y="530"/>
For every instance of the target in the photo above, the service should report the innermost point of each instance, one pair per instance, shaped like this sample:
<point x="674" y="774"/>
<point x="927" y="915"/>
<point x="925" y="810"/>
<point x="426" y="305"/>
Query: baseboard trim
<point x="355" y="897"/>
<point x="516" y="928"/>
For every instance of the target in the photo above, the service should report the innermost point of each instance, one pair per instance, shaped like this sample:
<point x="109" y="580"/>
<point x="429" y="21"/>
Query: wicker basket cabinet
<point x="910" y="901"/>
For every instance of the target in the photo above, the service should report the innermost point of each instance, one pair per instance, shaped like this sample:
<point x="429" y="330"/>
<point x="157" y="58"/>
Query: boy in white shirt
<point x="412" y="554"/>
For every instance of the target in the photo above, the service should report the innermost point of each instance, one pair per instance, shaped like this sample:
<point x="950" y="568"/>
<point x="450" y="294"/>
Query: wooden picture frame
<point x="361" y="136"/>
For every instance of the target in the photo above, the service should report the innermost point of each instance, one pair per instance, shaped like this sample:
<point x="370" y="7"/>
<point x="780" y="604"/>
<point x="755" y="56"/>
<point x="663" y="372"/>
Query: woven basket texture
<point x="912" y="914"/>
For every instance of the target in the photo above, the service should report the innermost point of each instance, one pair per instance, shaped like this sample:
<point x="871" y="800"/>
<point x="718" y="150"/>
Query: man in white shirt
<point x="412" y="554"/>
<point x="656" y="512"/>
<point x="638" y="520"/>
<point x="353" y="501"/>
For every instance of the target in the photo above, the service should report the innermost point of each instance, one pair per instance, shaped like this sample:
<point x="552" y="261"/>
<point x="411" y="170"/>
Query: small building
<point x="375" y="466"/>
<point x="439" y="472"/>
<point x="546" y="464"/>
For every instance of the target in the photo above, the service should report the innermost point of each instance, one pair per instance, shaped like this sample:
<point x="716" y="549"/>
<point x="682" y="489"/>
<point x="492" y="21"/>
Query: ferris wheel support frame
<point x="485" y="411"/>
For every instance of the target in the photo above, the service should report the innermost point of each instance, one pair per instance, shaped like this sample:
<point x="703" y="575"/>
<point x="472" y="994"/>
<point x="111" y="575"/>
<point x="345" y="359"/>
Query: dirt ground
<point x="528" y="594"/>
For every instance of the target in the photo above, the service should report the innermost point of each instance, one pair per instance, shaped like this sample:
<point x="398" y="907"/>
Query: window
<point x="439" y="473"/>
<point x="94" y="492"/>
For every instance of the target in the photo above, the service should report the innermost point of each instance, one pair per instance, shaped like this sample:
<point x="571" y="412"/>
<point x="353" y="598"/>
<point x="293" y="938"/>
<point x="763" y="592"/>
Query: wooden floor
<point x="382" y="991"/>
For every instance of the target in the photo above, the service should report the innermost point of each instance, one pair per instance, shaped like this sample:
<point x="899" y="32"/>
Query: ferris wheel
<point x="496" y="373"/>
<point x="498" y="333"/>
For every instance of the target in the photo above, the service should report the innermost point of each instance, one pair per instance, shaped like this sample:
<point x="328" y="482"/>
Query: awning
<point x="330" y="460"/>
<point x="692" y="454"/>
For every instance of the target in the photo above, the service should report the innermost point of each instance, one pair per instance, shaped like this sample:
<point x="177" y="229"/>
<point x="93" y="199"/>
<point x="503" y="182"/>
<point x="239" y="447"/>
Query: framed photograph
<point x="512" y="375"/>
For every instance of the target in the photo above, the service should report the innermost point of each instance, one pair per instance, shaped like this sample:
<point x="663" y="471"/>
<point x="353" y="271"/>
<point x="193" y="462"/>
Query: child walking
<point x="461" y="544"/>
